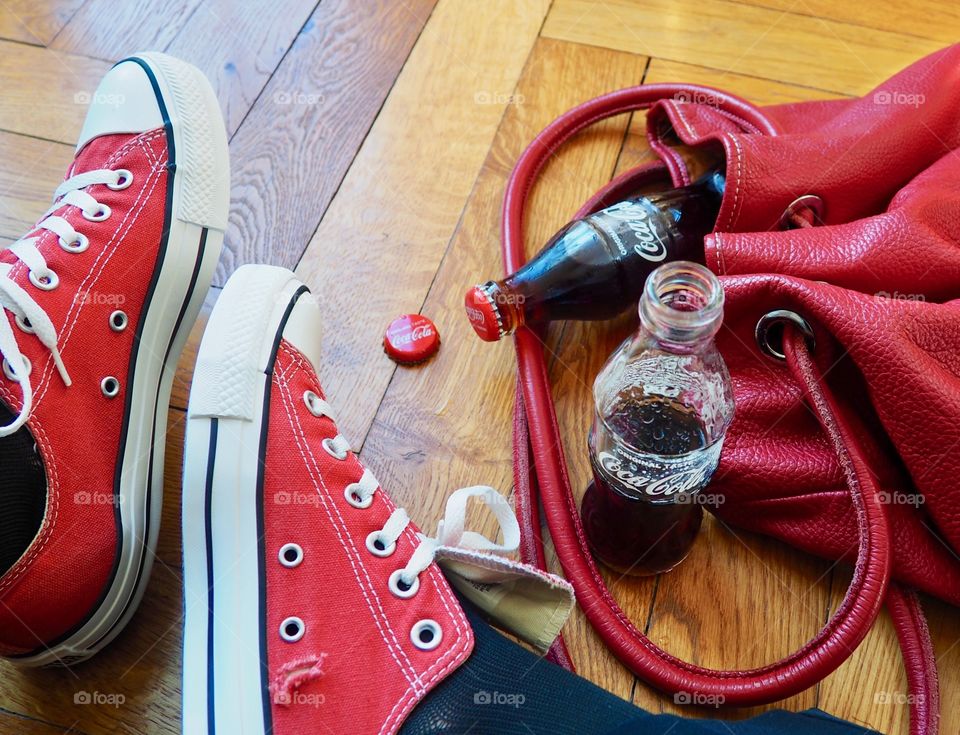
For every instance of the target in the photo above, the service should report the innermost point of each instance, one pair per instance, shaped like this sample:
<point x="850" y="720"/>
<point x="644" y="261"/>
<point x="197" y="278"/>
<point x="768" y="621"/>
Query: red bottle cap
<point x="410" y="339"/>
<point x="483" y="315"/>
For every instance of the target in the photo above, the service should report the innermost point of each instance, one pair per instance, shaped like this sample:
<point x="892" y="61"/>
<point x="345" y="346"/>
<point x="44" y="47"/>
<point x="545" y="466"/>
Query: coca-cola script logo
<point x="474" y="315"/>
<point x="418" y="332"/>
<point x="637" y="220"/>
<point x="688" y="480"/>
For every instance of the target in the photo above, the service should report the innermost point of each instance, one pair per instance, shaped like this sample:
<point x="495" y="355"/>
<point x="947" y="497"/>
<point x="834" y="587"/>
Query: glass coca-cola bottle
<point x="595" y="267"/>
<point x="663" y="403"/>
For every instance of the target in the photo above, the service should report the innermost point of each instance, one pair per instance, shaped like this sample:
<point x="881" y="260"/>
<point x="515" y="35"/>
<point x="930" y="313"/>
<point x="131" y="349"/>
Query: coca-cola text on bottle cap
<point x="410" y="339"/>
<point x="483" y="314"/>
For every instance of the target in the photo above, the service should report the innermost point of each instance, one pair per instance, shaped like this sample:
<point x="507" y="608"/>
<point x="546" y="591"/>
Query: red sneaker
<point x="99" y="299"/>
<point x="313" y="605"/>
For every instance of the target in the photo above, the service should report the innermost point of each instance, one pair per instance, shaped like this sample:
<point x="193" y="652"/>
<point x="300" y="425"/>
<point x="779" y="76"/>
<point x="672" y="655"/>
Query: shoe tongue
<point x="23" y="492"/>
<point x="523" y="600"/>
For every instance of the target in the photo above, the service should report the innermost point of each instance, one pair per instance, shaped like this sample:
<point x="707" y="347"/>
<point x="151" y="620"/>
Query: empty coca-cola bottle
<point x="595" y="267"/>
<point x="663" y="403"/>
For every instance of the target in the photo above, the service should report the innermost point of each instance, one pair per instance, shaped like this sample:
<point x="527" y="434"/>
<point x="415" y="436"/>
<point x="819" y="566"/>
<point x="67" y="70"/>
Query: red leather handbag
<point x="838" y="246"/>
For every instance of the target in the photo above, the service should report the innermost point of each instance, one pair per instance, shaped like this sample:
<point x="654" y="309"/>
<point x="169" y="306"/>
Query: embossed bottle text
<point x="663" y="403"/>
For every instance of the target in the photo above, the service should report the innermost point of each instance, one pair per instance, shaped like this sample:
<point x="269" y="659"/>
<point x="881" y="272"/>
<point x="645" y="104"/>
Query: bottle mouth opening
<point x="682" y="302"/>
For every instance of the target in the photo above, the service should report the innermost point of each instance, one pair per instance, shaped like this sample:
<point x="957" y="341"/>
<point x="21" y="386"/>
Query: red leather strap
<point x="571" y="122"/>
<point x="526" y="493"/>
<point x="795" y="673"/>
<point x="528" y="514"/>
<point x="919" y="659"/>
<point x="538" y="426"/>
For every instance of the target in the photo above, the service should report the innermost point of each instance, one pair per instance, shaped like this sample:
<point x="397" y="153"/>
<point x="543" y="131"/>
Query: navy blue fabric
<point x="776" y="722"/>
<point x="505" y="689"/>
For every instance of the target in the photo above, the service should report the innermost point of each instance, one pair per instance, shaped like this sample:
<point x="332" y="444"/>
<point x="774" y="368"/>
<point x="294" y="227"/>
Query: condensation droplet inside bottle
<point x="656" y="424"/>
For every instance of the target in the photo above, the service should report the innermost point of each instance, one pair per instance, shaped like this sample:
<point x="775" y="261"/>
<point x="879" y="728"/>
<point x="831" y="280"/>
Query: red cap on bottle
<point x="483" y="314"/>
<point x="410" y="339"/>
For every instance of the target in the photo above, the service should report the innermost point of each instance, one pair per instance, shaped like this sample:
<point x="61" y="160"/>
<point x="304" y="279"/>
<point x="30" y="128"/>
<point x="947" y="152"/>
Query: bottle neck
<point x="697" y="203"/>
<point x="506" y="304"/>
<point x="593" y="267"/>
<point x="682" y="306"/>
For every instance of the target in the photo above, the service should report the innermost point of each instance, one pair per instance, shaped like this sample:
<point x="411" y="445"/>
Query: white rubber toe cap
<point x="124" y="102"/>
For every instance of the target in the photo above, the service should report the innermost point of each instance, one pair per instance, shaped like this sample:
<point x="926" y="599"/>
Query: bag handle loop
<point x="535" y="422"/>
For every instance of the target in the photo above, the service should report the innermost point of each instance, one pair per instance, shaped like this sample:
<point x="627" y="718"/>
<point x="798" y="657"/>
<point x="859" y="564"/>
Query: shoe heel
<point x="226" y="425"/>
<point x="238" y="342"/>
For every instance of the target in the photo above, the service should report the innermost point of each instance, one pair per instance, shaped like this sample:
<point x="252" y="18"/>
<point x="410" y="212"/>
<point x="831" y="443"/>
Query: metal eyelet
<point x="328" y="447"/>
<point x="769" y="332"/>
<point x="124" y="179"/>
<point x="47" y="282"/>
<point x="118" y="321"/>
<point x="8" y="370"/>
<point x="292" y="629"/>
<point x="313" y="402"/>
<point x="807" y="203"/>
<point x="353" y="497"/>
<point x="79" y="243"/>
<point x="24" y="324"/>
<point x="110" y="386"/>
<point x="290" y="555"/>
<point x="426" y="634"/>
<point x="399" y="588"/>
<point x="103" y="211"/>
<point x="377" y="547"/>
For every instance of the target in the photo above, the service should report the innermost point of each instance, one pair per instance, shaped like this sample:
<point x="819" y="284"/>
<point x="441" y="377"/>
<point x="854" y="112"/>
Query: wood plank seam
<point x="814" y="16"/>
<point x="272" y="73"/>
<point x="456" y="229"/>
<point x="453" y="234"/>
<point x="886" y="50"/>
<point x="363" y="140"/>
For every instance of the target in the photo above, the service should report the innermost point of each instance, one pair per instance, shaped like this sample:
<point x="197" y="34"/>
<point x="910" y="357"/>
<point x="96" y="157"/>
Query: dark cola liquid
<point x="596" y="267"/>
<point x="627" y="530"/>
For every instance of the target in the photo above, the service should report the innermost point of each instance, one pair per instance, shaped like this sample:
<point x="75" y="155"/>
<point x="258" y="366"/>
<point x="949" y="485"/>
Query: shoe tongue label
<point x="523" y="600"/>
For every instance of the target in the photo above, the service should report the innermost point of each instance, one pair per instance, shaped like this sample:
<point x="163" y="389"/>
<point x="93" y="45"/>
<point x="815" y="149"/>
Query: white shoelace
<point x="451" y="532"/>
<point x="30" y="316"/>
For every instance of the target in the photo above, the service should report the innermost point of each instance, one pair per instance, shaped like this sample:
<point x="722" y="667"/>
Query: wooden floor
<point x="370" y="143"/>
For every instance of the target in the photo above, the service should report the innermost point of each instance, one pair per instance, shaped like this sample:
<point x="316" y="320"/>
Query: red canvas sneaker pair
<point x="313" y="604"/>
<point x="98" y="300"/>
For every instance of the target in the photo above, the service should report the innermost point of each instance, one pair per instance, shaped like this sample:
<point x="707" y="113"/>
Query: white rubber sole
<point x="198" y="215"/>
<point x="223" y="656"/>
